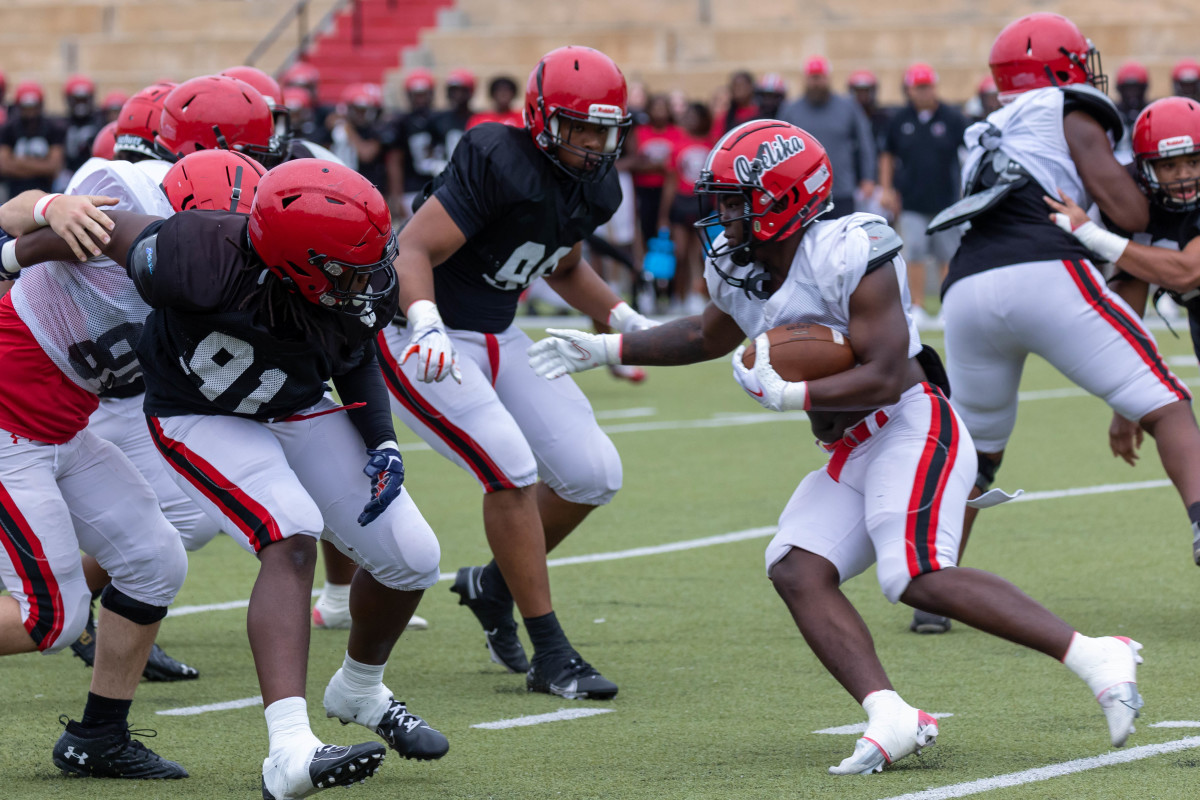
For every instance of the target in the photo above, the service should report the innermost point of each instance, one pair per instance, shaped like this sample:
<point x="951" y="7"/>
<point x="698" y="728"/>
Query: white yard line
<point x="1176" y="723"/>
<point x="191" y="711"/>
<point x="627" y="413"/>
<point x="1051" y="771"/>
<point x="538" y="719"/>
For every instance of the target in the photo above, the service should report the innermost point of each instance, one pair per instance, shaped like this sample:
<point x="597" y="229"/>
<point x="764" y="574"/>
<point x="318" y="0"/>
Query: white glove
<point x="566" y="351"/>
<point x="431" y="344"/>
<point x="623" y="318"/>
<point x="763" y="382"/>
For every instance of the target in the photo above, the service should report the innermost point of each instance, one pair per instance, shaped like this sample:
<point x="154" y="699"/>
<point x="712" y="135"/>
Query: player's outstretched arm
<point x="76" y="218"/>
<point x="46" y="245"/>
<point x="683" y="341"/>
<point x="1105" y="179"/>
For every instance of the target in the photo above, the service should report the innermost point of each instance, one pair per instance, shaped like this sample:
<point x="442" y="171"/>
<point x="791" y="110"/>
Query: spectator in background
<point x="839" y="123"/>
<point x="356" y="132"/>
<point x="307" y="77"/>
<point x="81" y="126"/>
<point x="110" y="106"/>
<point x="741" y="101"/>
<point x="863" y="86"/>
<point x="302" y="119"/>
<point x="769" y="94"/>
<point x="1185" y="78"/>
<point x="411" y="157"/>
<point x="656" y="142"/>
<point x="1133" y="81"/>
<point x="638" y="99"/>
<point x="502" y="91"/>
<point x="31" y="144"/>
<point x="919" y="173"/>
<point x="451" y="124"/>
<point x="679" y="209"/>
<point x="985" y="100"/>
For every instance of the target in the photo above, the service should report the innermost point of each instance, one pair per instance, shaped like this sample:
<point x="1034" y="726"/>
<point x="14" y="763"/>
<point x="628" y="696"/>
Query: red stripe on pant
<point x="486" y="471"/>
<point x="493" y="351"/>
<point x="1115" y="316"/>
<point x="37" y="579"/>
<point x="929" y="485"/>
<point x="241" y="509"/>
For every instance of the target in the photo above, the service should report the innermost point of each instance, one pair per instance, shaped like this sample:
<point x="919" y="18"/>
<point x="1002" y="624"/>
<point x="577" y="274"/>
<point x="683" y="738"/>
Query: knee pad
<point x="985" y="474"/>
<point x="418" y="567"/>
<point x="591" y="479"/>
<point x="131" y="609"/>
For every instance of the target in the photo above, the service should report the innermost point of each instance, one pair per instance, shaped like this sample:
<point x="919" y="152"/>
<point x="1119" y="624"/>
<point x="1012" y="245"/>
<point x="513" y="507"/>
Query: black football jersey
<point x="211" y="347"/>
<point x="413" y="135"/>
<point x="520" y="214"/>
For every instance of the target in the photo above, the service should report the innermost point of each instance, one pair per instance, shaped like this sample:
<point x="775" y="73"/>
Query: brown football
<point x="803" y="351"/>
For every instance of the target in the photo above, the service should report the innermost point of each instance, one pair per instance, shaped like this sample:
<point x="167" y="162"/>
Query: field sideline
<point x="664" y="592"/>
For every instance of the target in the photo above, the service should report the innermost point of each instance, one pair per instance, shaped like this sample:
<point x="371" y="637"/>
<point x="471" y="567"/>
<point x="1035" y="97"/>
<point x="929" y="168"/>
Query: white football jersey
<point x="830" y="261"/>
<point x="87" y="316"/>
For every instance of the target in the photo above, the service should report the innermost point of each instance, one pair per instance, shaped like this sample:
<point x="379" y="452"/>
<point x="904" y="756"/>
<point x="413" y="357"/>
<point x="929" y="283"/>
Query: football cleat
<point x="495" y="615"/>
<point x="572" y="678"/>
<point x="325" y="766"/>
<point x="889" y="741"/>
<point x="405" y="732"/>
<point x="112" y="753"/>
<point x="161" y="668"/>
<point x="1114" y="682"/>
<point x="924" y="622"/>
<point x="326" y="617"/>
<point x="85" y="645"/>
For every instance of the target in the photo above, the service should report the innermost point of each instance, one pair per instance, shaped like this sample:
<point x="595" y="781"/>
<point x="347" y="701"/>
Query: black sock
<point x="547" y="636"/>
<point x="103" y="712"/>
<point x="493" y="583"/>
<point x="1194" y="513"/>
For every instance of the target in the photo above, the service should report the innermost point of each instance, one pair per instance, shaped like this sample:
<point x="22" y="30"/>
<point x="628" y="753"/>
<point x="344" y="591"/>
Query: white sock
<point x="1086" y="658"/>
<point x="883" y="703"/>
<point x="336" y="596"/>
<point x="362" y="678"/>
<point x="287" y="725"/>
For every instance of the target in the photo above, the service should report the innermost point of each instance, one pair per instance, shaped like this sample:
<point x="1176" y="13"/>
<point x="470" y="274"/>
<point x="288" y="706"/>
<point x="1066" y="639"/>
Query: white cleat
<point x="289" y="776"/>
<point x="1118" y="695"/>
<point x="888" y="742"/>
<point x="328" y="617"/>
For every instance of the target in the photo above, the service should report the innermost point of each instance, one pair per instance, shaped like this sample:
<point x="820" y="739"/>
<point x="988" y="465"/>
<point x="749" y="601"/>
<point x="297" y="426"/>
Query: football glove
<point x="385" y="468"/>
<point x="623" y="318"/>
<point x="566" y="351"/>
<point x="763" y="382"/>
<point x="436" y="359"/>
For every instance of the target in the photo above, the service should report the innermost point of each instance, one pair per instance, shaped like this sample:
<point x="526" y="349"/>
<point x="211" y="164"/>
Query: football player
<point x="514" y="205"/>
<point x="1166" y="153"/>
<point x="251" y="316"/>
<point x="895" y="487"/>
<point x="1052" y="135"/>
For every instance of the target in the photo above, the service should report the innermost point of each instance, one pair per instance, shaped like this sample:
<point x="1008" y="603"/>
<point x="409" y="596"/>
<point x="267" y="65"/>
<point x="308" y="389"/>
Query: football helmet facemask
<point x="780" y="173"/>
<point x="1167" y="128"/>
<point x="577" y="84"/>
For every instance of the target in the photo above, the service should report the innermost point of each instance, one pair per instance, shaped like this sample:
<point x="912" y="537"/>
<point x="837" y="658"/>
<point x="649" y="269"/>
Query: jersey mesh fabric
<point x="828" y="266"/>
<point x="88" y="316"/>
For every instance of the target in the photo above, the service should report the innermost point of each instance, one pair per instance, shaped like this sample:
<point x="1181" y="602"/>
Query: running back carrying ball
<point x="803" y="351"/>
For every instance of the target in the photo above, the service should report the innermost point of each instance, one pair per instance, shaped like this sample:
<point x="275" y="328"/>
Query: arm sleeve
<point x="472" y="189"/>
<point x="364" y="384"/>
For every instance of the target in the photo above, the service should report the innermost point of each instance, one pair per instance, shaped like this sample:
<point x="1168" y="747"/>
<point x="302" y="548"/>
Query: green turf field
<point x="719" y="697"/>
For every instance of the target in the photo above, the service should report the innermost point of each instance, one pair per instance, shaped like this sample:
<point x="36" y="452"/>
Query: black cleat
<point x="161" y="668"/>
<point x="495" y="615"/>
<point x="924" y="622"/>
<point x="572" y="678"/>
<point x="328" y="766"/>
<point x="411" y="736"/>
<point x="110" y="754"/>
<point x="85" y="645"/>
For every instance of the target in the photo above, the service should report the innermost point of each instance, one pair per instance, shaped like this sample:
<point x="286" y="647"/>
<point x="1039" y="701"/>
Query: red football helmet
<point x="113" y="101"/>
<point x="461" y="78"/>
<point x="771" y="83"/>
<point x="365" y="95"/>
<point x="862" y="79"/>
<point x="577" y="83"/>
<point x="28" y="93"/>
<point x="213" y="112"/>
<point x="138" y="123"/>
<point x="301" y="74"/>
<point x="780" y="172"/>
<point x="1167" y="128"/>
<point x="1040" y="50"/>
<point x="267" y="86"/>
<point x="221" y="180"/>
<point x="105" y="141"/>
<point x="419" y="80"/>
<point x="322" y="228"/>
<point x="79" y="86"/>
<point x="297" y="97"/>
<point x="1132" y="72"/>
<point x="1186" y="70"/>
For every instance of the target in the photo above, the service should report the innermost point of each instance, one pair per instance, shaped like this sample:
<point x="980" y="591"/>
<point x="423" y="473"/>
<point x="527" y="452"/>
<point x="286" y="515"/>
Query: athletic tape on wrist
<point x="1105" y="244"/>
<point x="8" y="260"/>
<point x="39" y="208"/>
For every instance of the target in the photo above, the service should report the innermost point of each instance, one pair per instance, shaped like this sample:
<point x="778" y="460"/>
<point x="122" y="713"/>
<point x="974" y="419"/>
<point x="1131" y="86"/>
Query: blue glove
<point x="385" y="468"/>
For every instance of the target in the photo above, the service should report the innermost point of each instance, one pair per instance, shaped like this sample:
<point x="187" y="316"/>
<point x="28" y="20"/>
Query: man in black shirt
<point x="411" y="162"/>
<point x="512" y="206"/>
<point x="82" y="122"/>
<point x="31" y="144"/>
<point x="251" y="317"/>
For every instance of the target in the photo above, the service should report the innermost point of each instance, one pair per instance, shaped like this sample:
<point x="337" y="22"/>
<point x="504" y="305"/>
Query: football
<point x="804" y="351"/>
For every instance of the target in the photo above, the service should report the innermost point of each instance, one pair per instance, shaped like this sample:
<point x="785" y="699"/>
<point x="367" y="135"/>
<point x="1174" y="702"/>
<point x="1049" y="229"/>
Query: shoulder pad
<point x="142" y="262"/>
<point x="885" y="243"/>
<point x="1097" y="104"/>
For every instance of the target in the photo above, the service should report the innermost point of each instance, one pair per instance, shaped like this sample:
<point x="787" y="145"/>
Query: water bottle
<point x="659" y="263"/>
